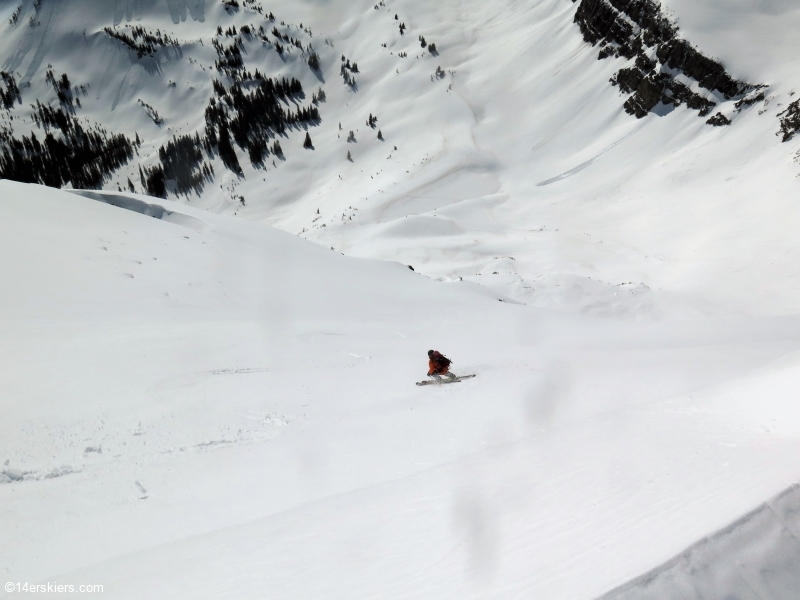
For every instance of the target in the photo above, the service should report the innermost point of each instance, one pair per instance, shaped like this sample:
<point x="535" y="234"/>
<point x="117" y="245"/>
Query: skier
<point x="439" y="365"/>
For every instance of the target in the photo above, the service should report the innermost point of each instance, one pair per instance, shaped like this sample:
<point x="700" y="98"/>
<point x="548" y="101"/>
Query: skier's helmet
<point x="430" y="352"/>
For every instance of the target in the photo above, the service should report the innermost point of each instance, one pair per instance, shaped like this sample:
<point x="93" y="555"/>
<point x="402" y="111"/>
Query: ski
<point x="443" y="381"/>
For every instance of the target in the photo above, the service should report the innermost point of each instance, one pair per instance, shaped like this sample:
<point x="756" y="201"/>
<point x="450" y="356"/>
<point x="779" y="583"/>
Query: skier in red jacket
<point x="438" y="365"/>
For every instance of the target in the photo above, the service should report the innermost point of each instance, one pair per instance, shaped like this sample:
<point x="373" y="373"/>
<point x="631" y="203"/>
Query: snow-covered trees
<point x="15" y="16"/>
<point x="11" y="94"/>
<point x="69" y="153"/>
<point x="313" y="60"/>
<point x="182" y="161"/>
<point x="257" y="150"/>
<point x="226" y="152"/>
<point x="346" y="71"/>
<point x="253" y="117"/>
<point x="61" y="86"/>
<point x="142" y="41"/>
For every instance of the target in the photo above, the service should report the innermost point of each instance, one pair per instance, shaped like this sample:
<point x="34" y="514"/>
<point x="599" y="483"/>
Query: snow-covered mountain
<point x="271" y="211"/>
<point x="516" y="161"/>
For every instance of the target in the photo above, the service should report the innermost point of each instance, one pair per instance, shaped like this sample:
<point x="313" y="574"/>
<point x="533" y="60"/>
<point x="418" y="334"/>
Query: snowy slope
<point x="754" y="557"/>
<point x="212" y="408"/>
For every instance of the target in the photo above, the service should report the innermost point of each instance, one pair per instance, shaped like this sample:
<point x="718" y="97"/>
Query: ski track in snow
<point x="592" y="160"/>
<point x="50" y="14"/>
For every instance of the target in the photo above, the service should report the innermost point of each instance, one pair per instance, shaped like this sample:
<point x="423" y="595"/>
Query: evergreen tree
<point x="226" y="151"/>
<point x="313" y="61"/>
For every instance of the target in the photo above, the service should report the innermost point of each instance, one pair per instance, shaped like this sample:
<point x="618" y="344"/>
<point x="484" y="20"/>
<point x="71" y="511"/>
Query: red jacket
<point x="438" y="364"/>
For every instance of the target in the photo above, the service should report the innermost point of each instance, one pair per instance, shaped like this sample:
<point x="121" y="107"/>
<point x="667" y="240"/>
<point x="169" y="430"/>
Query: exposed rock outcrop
<point x="639" y="31"/>
<point x="719" y="120"/>
<point x="790" y="121"/>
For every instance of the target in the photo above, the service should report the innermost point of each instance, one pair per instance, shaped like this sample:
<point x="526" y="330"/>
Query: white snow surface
<point x="754" y="558"/>
<point x="198" y="403"/>
<point x="201" y="406"/>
